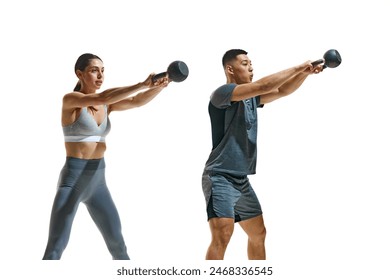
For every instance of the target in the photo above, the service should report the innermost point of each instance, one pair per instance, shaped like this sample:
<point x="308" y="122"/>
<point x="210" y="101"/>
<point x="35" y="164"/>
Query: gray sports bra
<point x="85" y="128"/>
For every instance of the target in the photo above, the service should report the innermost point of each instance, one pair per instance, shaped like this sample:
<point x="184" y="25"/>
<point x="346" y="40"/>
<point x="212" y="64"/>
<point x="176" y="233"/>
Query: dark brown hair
<point x="82" y="63"/>
<point x="231" y="54"/>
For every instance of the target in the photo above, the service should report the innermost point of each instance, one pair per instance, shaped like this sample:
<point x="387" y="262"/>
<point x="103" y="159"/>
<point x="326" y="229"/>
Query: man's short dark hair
<point x="231" y="55"/>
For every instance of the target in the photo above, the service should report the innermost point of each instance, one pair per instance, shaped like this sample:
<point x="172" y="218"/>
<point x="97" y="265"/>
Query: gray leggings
<point x="84" y="181"/>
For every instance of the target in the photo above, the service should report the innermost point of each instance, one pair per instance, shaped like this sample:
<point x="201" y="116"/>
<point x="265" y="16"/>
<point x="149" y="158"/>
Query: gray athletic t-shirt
<point x="234" y="133"/>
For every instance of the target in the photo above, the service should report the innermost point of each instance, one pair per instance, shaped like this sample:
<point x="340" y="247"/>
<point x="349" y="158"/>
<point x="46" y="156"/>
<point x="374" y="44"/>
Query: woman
<point x="85" y="124"/>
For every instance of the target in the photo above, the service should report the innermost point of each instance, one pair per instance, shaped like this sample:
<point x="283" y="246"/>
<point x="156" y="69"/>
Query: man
<point x="233" y="115"/>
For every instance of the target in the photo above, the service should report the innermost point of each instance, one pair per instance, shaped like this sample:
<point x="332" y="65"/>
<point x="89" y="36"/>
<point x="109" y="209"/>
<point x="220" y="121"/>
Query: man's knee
<point x="224" y="235"/>
<point x="222" y="230"/>
<point x="255" y="229"/>
<point x="258" y="236"/>
<point x="262" y="234"/>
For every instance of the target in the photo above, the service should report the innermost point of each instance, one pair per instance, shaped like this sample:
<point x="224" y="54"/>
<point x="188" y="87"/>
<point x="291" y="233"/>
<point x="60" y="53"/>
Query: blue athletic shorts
<point x="229" y="196"/>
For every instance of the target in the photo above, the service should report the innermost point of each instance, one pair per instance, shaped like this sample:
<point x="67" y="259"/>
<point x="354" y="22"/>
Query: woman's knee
<point x="118" y="249"/>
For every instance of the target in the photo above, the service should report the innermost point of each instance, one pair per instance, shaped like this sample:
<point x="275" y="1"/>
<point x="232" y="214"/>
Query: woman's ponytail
<point x="77" y="87"/>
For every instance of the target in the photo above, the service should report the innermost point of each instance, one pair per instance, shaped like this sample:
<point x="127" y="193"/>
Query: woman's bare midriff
<point x="85" y="150"/>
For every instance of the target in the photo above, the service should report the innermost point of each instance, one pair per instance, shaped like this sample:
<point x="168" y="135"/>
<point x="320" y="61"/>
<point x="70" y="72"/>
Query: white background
<point x="323" y="159"/>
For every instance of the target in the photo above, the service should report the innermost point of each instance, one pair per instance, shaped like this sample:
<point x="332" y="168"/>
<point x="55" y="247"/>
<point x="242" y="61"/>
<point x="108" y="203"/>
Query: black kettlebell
<point x="177" y="71"/>
<point x="331" y="59"/>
